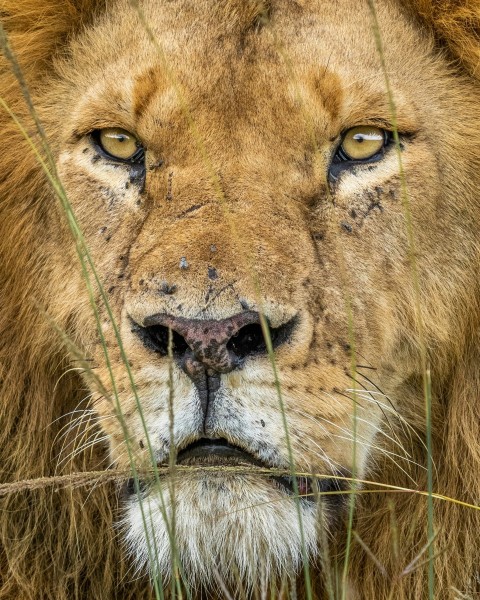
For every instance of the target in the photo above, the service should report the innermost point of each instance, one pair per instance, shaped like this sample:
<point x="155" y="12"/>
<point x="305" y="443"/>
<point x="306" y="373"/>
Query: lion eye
<point x="362" y="143"/>
<point x="120" y="144"/>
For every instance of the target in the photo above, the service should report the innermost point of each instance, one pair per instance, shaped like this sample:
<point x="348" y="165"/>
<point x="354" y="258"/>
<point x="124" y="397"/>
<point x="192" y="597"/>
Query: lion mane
<point x="62" y="544"/>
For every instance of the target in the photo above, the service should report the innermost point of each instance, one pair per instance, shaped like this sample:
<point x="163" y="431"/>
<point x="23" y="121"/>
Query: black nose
<point x="209" y="345"/>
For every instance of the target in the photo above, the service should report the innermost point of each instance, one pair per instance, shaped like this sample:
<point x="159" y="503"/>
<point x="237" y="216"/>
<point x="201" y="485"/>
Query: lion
<point x="239" y="260"/>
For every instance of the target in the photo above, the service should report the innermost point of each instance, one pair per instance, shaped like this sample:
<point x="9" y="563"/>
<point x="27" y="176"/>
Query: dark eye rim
<point x="341" y="156"/>
<point x="137" y="157"/>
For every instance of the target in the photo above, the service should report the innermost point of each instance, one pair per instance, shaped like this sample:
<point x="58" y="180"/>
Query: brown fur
<point x="57" y="545"/>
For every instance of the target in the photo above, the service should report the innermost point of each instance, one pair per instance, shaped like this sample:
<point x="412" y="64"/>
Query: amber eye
<point x="120" y="144"/>
<point x="362" y="143"/>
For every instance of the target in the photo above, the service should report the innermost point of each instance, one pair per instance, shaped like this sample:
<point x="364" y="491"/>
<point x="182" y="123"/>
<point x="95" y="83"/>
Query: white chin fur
<point x="239" y="529"/>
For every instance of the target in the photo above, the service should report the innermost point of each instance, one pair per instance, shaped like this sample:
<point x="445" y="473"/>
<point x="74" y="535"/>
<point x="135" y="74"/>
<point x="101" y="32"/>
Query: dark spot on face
<point x="141" y="444"/>
<point x="346" y="226"/>
<point x="103" y="229"/>
<point x="167" y="289"/>
<point x="137" y="176"/>
<point x="111" y="289"/>
<point x="373" y="205"/>
<point x="169" y="195"/>
<point x="85" y="150"/>
<point x="353" y="213"/>
<point x="156" y="165"/>
<point x="95" y="158"/>
<point x="179" y="306"/>
<point x="209" y="294"/>
<point x="318" y="235"/>
<point x="189" y="210"/>
<point x="109" y="194"/>
<point x="141" y="282"/>
<point x="212" y="273"/>
<point x="127" y="185"/>
<point x="244" y="304"/>
<point x="262" y="422"/>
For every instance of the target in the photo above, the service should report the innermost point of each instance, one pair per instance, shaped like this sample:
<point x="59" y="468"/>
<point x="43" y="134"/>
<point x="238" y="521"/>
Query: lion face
<point x="242" y="172"/>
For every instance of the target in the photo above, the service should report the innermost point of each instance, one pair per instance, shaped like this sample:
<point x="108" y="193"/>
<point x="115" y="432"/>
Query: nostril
<point x="159" y="339"/>
<point x="250" y="339"/>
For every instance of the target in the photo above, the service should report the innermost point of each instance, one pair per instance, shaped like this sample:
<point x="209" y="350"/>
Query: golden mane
<point x="53" y="544"/>
<point x="456" y="24"/>
<point x="61" y="545"/>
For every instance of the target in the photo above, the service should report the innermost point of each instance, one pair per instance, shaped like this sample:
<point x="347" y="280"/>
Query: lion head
<point x="276" y="210"/>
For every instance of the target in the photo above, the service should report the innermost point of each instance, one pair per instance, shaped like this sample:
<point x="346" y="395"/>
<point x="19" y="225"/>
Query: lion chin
<point x="229" y="530"/>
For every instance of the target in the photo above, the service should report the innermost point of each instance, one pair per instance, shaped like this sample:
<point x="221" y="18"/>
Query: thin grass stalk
<point x="351" y="508"/>
<point x="271" y="355"/>
<point x="177" y="573"/>
<point x="84" y="478"/>
<point x="416" y="283"/>
<point x="325" y="558"/>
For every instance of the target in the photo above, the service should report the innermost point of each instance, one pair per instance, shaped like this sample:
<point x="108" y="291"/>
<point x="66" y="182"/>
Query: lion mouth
<point x="216" y="452"/>
<point x="220" y="452"/>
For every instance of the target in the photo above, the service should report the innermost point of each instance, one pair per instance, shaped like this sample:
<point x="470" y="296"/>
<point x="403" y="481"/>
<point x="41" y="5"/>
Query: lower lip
<point x="304" y="488"/>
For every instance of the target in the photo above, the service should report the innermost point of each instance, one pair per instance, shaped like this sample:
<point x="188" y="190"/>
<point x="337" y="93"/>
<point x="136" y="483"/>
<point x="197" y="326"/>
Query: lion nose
<point x="211" y="346"/>
<point x="206" y="348"/>
<point x="218" y="346"/>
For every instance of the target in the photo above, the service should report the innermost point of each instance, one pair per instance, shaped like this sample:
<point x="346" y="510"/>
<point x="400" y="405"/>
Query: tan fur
<point x="248" y="178"/>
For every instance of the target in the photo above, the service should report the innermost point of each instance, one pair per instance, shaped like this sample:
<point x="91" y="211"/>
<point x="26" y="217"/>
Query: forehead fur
<point x="39" y="29"/>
